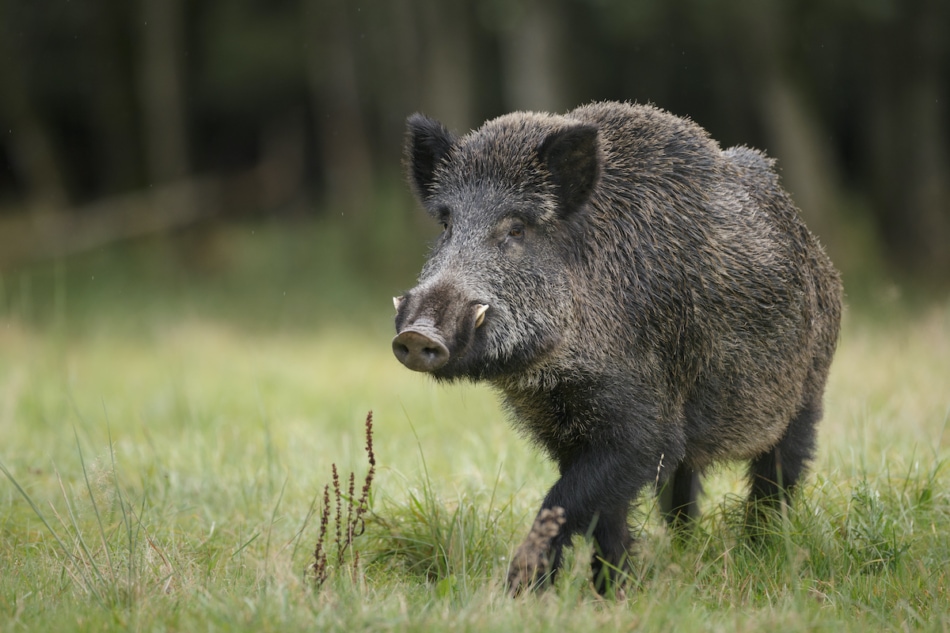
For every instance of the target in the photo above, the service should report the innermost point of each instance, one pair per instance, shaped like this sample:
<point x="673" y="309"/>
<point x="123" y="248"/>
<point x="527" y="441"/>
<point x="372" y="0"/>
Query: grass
<point x="168" y="427"/>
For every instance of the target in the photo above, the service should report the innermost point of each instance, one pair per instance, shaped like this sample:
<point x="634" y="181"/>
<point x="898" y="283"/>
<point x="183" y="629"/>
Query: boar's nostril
<point x="420" y="352"/>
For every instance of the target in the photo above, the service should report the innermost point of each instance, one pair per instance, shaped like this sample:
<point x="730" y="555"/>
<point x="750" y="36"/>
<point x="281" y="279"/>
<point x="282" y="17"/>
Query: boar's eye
<point x="511" y="233"/>
<point x="444" y="216"/>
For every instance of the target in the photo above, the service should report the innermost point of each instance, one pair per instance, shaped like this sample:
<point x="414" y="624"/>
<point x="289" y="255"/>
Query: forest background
<point x="128" y="118"/>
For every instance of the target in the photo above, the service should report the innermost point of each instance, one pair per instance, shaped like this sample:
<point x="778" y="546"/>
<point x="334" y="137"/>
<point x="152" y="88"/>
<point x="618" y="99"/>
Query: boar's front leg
<point x="592" y="497"/>
<point x="534" y="560"/>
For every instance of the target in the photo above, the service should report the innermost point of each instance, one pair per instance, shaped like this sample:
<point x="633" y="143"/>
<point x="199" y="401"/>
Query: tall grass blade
<point x="72" y="558"/>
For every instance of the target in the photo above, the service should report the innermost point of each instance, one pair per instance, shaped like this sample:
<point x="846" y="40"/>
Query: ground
<point x="166" y="437"/>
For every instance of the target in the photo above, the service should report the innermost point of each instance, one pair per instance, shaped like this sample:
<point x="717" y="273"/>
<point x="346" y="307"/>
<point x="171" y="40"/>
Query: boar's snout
<point x="420" y="349"/>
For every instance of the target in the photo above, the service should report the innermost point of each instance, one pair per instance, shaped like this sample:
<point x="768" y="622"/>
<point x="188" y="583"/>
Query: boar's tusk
<point x="397" y="301"/>
<point x="480" y="310"/>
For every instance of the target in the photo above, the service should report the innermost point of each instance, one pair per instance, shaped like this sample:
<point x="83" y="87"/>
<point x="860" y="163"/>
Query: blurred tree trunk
<point x="794" y="131"/>
<point x="910" y="168"/>
<point x="448" y="70"/>
<point x="807" y="164"/>
<point x="161" y="90"/>
<point x="112" y="99"/>
<point x="335" y="95"/>
<point x="403" y="76"/>
<point x="31" y="144"/>
<point x="531" y="56"/>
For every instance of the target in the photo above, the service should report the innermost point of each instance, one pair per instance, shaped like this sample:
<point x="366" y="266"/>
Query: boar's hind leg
<point x="611" y="535"/>
<point x="678" y="498"/>
<point x="775" y="473"/>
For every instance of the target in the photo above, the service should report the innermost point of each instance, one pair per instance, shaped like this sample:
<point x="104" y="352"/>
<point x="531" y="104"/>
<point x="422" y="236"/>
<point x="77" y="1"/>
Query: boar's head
<point x="495" y="296"/>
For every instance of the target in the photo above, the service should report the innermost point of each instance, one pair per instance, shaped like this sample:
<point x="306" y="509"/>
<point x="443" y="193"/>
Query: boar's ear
<point x="427" y="143"/>
<point x="571" y="156"/>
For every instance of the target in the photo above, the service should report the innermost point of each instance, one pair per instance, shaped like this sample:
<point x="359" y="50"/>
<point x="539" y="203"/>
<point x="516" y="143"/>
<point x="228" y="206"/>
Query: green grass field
<point x="167" y="430"/>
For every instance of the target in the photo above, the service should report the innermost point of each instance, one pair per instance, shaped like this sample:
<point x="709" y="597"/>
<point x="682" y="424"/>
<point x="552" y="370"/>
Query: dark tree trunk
<point x="794" y="132"/>
<point x="910" y="172"/>
<point x="33" y="151"/>
<point x="161" y="90"/>
<point x="533" y="67"/>
<point x="334" y="86"/>
<point x="113" y="101"/>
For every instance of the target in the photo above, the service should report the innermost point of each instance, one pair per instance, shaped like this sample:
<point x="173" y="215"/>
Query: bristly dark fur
<point x="654" y="303"/>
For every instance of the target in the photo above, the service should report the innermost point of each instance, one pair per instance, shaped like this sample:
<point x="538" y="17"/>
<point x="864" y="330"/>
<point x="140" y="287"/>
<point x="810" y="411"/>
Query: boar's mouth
<point x="422" y="346"/>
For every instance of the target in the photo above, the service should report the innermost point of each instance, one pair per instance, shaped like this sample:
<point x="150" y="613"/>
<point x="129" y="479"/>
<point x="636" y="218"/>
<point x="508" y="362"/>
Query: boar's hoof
<point x="420" y="352"/>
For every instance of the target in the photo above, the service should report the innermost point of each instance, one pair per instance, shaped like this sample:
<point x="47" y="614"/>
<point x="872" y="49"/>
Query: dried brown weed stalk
<point x="346" y="527"/>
